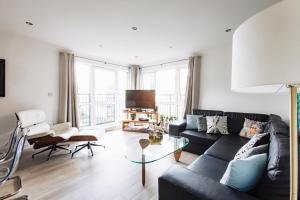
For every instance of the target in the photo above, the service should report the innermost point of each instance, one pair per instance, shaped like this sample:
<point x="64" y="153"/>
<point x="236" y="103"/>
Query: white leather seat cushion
<point x="38" y="130"/>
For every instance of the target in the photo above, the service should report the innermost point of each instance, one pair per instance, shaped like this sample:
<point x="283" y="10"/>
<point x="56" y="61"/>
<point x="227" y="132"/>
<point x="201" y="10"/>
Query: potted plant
<point x="165" y="120"/>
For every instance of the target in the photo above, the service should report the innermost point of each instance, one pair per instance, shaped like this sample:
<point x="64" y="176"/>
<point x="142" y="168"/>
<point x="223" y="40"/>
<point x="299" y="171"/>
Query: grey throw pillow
<point x="202" y="124"/>
<point x="258" y="150"/>
<point x="191" y="121"/>
<point x="217" y="124"/>
<point x="244" y="151"/>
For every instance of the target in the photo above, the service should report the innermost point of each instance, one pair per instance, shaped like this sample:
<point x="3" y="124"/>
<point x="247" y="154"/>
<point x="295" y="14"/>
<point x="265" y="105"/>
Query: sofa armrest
<point x="181" y="183"/>
<point x="177" y="127"/>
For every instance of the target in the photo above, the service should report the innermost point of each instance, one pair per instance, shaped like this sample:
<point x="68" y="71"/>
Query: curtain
<point x="134" y="77"/>
<point x="193" y="85"/>
<point x="68" y="109"/>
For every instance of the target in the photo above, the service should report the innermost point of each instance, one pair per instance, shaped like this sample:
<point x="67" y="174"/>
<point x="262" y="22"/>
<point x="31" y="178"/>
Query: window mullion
<point x="92" y="96"/>
<point x="116" y="96"/>
<point x="177" y="91"/>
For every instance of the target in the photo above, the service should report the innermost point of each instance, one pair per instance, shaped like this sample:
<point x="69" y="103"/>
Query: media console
<point x="137" y="125"/>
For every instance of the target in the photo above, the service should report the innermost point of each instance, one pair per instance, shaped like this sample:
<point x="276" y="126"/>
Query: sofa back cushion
<point x="235" y="120"/>
<point x="205" y="113"/>
<point x="275" y="183"/>
<point x="276" y="125"/>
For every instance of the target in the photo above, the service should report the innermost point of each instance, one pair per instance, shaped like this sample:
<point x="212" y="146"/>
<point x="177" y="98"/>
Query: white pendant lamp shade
<point x="266" y="50"/>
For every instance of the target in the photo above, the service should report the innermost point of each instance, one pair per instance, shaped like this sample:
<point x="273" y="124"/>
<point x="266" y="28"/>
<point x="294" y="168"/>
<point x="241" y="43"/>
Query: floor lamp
<point x="266" y="59"/>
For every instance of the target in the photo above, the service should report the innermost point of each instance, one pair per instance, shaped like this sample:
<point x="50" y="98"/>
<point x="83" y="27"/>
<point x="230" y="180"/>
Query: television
<point x="2" y="78"/>
<point x="140" y="99"/>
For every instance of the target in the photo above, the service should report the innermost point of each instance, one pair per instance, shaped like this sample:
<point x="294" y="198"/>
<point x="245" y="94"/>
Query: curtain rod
<point x="100" y="61"/>
<point x="166" y="63"/>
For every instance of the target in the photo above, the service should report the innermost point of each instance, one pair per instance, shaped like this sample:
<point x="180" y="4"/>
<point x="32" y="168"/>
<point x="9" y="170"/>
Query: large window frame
<point x="179" y="96"/>
<point x="92" y="103"/>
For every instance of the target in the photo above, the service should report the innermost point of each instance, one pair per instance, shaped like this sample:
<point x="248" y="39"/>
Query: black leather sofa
<point x="200" y="180"/>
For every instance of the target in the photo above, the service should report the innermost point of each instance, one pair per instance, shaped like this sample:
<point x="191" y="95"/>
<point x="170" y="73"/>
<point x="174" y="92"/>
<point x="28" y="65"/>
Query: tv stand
<point x="139" y="125"/>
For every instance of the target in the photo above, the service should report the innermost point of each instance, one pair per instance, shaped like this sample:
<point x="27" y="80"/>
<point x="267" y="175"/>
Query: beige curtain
<point x="134" y="77"/>
<point x="68" y="110"/>
<point x="193" y="85"/>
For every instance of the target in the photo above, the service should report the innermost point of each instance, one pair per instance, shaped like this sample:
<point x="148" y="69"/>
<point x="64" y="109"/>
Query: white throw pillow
<point x="217" y="124"/>
<point x="244" y="151"/>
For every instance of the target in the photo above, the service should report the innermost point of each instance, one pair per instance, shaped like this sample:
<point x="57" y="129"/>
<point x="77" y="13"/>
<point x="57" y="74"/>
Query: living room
<point x="107" y="98"/>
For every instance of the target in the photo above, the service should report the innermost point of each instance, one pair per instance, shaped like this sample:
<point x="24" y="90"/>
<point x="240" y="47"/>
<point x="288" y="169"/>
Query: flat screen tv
<point x="140" y="99"/>
<point x="2" y="78"/>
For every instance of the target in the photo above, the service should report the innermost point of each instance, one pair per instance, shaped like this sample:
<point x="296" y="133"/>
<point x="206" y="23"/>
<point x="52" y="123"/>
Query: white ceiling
<point x="190" y="26"/>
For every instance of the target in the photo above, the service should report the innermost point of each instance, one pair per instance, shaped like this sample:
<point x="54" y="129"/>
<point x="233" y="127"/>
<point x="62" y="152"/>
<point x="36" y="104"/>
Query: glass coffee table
<point x="139" y="150"/>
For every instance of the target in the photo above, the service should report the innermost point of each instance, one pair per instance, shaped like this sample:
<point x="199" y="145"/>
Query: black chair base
<point x="18" y="185"/>
<point x="88" y="145"/>
<point x="52" y="148"/>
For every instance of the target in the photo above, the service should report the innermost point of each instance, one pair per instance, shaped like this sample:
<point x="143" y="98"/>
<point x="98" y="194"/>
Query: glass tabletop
<point x="155" y="151"/>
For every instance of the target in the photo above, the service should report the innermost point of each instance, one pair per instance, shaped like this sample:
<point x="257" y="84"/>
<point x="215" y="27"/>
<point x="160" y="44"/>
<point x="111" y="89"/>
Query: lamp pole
<point x="293" y="143"/>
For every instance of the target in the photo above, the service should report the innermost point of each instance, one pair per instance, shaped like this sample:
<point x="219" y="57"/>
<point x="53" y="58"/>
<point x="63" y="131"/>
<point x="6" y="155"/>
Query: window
<point x="169" y="83"/>
<point x="101" y="92"/>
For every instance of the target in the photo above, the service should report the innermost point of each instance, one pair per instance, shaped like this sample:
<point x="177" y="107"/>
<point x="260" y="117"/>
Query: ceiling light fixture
<point x="100" y="45"/>
<point x="228" y="30"/>
<point x="29" y="23"/>
<point x="134" y="28"/>
<point x="171" y="47"/>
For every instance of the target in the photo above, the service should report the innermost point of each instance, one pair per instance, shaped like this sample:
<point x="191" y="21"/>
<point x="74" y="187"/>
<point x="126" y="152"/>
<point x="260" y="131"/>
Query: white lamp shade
<point x="266" y="50"/>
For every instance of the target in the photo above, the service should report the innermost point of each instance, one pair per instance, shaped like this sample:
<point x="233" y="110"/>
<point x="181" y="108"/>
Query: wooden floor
<point x="107" y="175"/>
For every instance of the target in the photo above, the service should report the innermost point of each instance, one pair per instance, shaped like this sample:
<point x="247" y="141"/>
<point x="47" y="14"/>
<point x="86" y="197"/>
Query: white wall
<point x="215" y="90"/>
<point x="31" y="73"/>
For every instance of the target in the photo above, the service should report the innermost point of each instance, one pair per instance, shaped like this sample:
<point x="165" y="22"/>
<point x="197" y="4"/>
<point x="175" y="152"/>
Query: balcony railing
<point x="105" y="108"/>
<point x="99" y="109"/>
<point x="84" y="104"/>
<point x="169" y="105"/>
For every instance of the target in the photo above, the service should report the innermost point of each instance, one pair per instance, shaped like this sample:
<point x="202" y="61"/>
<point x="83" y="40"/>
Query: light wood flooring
<point x="106" y="176"/>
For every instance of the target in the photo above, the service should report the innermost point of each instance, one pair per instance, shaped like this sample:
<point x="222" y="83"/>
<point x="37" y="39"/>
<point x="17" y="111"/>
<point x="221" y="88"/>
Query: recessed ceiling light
<point x="228" y="30"/>
<point x="171" y="47"/>
<point x="134" y="28"/>
<point x="100" y="45"/>
<point x="29" y="23"/>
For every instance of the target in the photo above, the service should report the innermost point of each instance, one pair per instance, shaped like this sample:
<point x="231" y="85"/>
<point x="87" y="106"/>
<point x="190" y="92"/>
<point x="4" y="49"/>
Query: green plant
<point x="162" y="118"/>
<point x="167" y="118"/>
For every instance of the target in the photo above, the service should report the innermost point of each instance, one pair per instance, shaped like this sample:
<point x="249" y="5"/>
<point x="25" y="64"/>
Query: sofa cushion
<point x="258" y="150"/>
<point x="252" y="127"/>
<point x="275" y="183"/>
<point x="191" y="122"/>
<point x="207" y="112"/>
<point x="199" y="141"/>
<point x="226" y="147"/>
<point x="244" y="174"/>
<point x="202" y="124"/>
<point x="197" y="148"/>
<point x="217" y="124"/>
<point x="276" y="125"/>
<point x="236" y="120"/>
<point x="199" y="137"/>
<point x="180" y="183"/>
<point x="209" y="166"/>
<point x="254" y="141"/>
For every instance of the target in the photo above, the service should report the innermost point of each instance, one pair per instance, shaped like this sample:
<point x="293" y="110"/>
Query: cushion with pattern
<point x="202" y="124"/>
<point x="217" y="124"/>
<point x="251" y="128"/>
<point x="244" y="150"/>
